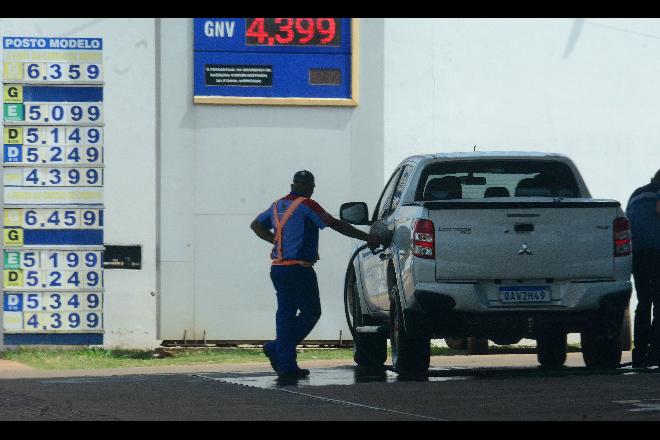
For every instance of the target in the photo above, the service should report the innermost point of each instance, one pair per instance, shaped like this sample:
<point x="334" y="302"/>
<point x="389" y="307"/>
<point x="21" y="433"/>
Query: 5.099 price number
<point x="293" y="31"/>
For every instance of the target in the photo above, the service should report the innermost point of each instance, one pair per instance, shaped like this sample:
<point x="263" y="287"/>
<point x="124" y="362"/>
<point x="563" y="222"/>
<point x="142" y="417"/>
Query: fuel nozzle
<point x="381" y="229"/>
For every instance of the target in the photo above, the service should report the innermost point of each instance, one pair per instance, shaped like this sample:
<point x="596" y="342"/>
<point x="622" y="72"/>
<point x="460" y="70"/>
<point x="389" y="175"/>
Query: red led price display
<point x="292" y="32"/>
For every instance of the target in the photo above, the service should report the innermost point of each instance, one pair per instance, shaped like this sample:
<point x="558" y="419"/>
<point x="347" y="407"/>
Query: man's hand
<point x="262" y="232"/>
<point x="373" y="241"/>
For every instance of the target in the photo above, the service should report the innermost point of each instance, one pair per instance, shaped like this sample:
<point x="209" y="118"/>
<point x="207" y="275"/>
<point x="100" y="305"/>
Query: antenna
<point x="475" y="147"/>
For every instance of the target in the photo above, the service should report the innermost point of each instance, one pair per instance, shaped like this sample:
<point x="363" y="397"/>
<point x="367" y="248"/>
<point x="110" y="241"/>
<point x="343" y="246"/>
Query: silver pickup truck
<point x="496" y="245"/>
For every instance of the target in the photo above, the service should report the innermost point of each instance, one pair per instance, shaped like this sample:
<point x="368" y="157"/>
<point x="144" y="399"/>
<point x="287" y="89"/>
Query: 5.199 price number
<point x="62" y="72"/>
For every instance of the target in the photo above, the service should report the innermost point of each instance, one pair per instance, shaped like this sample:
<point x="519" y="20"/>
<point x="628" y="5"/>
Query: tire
<point x="551" y="349"/>
<point x="456" y="343"/>
<point x="601" y="346"/>
<point x="626" y="332"/>
<point x="411" y="351"/>
<point x="476" y="345"/>
<point x="369" y="350"/>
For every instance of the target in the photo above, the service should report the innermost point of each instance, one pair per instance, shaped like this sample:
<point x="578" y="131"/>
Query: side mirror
<point x="355" y="213"/>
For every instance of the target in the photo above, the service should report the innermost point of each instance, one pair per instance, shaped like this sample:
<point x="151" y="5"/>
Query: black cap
<point x="304" y="177"/>
<point x="657" y="176"/>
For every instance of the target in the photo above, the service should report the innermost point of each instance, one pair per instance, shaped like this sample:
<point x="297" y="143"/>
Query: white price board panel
<point x="54" y="301"/>
<point x="53" y="279"/>
<point x="65" y="259"/>
<point x="53" y="173"/>
<point x="57" y="72"/>
<point x="52" y="155"/>
<point x="53" y="311"/>
<point x="54" y="218"/>
<point x="53" y="135"/>
<point x="19" y="195"/>
<point x="53" y="177"/>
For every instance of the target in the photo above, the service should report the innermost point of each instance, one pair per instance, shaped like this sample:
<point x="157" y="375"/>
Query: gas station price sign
<point x="53" y="117"/>
<point x="276" y="61"/>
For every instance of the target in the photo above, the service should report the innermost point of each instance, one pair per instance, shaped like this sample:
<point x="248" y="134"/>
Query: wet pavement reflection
<point x="354" y="375"/>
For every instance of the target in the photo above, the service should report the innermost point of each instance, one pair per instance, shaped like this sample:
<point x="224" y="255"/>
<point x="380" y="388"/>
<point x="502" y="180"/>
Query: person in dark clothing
<point x="643" y="211"/>
<point x="296" y="220"/>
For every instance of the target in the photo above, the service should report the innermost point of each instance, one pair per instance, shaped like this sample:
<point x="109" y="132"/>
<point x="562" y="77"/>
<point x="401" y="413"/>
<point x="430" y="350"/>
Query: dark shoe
<point x="639" y="359"/>
<point x="300" y="373"/>
<point x="270" y="356"/>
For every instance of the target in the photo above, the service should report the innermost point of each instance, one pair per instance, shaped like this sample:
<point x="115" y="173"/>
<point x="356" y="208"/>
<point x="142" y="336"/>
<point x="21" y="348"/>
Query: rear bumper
<point x="475" y="308"/>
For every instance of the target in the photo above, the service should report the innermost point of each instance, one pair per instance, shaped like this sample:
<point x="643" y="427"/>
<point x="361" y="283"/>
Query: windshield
<point x="478" y="179"/>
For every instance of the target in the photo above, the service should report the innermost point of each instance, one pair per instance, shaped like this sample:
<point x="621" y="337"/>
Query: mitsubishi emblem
<point x="524" y="250"/>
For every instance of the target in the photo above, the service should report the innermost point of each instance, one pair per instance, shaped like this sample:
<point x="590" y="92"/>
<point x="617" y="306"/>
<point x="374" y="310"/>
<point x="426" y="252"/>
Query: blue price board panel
<point x="278" y="61"/>
<point x="53" y="168"/>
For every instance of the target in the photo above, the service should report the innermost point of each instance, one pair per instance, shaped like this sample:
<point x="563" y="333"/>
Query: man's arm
<point x="349" y="230"/>
<point x="262" y="232"/>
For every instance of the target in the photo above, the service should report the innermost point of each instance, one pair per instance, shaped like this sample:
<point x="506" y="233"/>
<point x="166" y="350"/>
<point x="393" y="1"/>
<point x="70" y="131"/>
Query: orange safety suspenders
<point x="279" y="227"/>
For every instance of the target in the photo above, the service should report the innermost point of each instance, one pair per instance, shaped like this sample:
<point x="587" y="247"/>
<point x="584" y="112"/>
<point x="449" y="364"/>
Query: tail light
<point x="622" y="242"/>
<point x="424" y="239"/>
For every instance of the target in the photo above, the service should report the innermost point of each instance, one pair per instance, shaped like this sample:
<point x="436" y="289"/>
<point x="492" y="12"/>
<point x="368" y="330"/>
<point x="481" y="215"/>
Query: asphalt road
<point x="342" y="393"/>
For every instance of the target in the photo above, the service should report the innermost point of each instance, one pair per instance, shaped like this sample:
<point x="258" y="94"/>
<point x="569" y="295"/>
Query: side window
<point x="386" y="198"/>
<point x="398" y="192"/>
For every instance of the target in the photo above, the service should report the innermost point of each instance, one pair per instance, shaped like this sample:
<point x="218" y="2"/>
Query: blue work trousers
<point x="646" y="270"/>
<point x="297" y="290"/>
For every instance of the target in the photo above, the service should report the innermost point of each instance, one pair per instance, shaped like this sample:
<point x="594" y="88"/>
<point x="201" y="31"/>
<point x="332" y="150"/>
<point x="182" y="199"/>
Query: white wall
<point x="506" y="84"/>
<point x="130" y="160"/>
<point x="222" y="165"/>
<point x="585" y="88"/>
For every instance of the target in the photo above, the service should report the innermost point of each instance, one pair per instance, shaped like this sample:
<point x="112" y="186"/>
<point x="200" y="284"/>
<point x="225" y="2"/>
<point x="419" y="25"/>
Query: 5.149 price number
<point x="61" y="135"/>
<point x="293" y="31"/>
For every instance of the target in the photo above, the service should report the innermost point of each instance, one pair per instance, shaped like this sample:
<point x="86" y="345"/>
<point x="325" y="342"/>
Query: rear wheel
<point x="456" y="343"/>
<point x="369" y="349"/>
<point x="411" y="348"/>
<point x="601" y="344"/>
<point x="551" y="349"/>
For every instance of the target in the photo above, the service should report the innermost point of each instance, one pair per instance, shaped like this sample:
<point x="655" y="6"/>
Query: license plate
<point x="524" y="294"/>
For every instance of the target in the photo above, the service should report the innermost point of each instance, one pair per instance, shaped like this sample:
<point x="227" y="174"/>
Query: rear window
<point x="478" y="179"/>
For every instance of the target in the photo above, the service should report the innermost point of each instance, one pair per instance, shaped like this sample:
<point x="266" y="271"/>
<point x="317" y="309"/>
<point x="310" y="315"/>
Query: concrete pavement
<point x="14" y="370"/>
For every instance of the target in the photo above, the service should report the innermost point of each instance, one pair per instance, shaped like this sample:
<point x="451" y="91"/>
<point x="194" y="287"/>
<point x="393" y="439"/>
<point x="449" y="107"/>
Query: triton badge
<point x="524" y="250"/>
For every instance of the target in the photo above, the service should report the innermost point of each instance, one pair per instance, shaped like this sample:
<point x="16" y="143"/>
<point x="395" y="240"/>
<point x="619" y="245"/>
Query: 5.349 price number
<point x="293" y="31"/>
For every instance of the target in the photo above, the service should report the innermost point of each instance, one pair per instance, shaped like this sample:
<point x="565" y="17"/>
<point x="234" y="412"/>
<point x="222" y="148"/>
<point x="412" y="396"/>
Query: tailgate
<point x="519" y="240"/>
